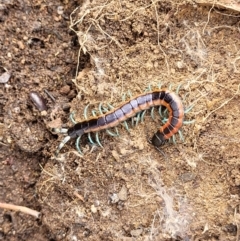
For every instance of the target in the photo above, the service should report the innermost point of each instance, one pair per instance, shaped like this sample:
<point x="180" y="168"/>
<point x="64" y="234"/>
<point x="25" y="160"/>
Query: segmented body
<point x="129" y="109"/>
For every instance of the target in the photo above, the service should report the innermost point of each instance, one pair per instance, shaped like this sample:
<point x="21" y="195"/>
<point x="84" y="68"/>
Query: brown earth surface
<point x="78" y="54"/>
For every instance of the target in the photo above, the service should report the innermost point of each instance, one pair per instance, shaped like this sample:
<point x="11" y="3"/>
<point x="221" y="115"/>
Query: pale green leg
<point x="149" y="88"/>
<point x="152" y="113"/>
<point x="112" y="133"/>
<point x="160" y="111"/>
<point x="78" y="145"/>
<point x="90" y="139"/>
<point x="181" y="135"/>
<point x="188" y="109"/>
<point x="97" y="140"/>
<point x="94" y="113"/>
<point x="174" y="139"/>
<point x="124" y="97"/>
<point x="178" y="89"/>
<point x="142" y="115"/>
<point x="126" y="125"/>
<point x="72" y="118"/>
<point x="188" y="122"/>
<point x="138" y="116"/>
<point x="85" y="112"/>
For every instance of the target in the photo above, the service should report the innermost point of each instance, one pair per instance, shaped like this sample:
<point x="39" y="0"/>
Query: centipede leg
<point x="178" y="88"/>
<point x="174" y="139"/>
<point x="159" y="85"/>
<point x="102" y="109"/>
<point x="110" y="106"/>
<point x="126" y="126"/>
<point x="142" y="115"/>
<point x="170" y="87"/>
<point x="85" y="112"/>
<point x="181" y="135"/>
<point x="111" y="133"/>
<point x="188" y="109"/>
<point x="129" y="93"/>
<point x="149" y="88"/>
<point x="138" y="117"/>
<point x="160" y="111"/>
<point x="97" y="140"/>
<point x="152" y="113"/>
<point x="188" y="122"/>
<point x="94" y="113"/>
<point x="71" y="117"/>
<point x="77" y="144"/>
<point x="124" y="97"/>
<point x="90" y="138"/>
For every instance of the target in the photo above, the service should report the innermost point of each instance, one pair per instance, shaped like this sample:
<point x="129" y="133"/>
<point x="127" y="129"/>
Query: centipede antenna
<point x="77" y="144"/>
<point x="62" y="143"/>
<point x="157" y="148"/>
<point x="85" y="112"/>
<point x="126" y="125"/>
<point x="142" y="115"/>
<point x="152" y="113"/>
<point x="188" y="122"/>
<point x="60" y="130"/>
<point x="162" y="152"/>
<point x="97" y="140"/>
<point x="181" y="135"/>
<point x="71" y="117"/>
<point x="90" y="138"/>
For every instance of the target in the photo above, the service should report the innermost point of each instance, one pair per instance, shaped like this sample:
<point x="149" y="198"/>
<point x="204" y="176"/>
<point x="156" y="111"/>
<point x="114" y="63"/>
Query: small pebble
<point x="122" y="195"/>
<point x="65" y="90"/>
<point x="114" y="198"/>
<point x="4" y="78"/>
<point x="136" y="232"/>
<point x="93" y="209"/>
<point x="38" y="101"/>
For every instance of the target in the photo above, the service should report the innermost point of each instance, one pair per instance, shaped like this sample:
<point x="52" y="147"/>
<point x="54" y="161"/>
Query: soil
<point x="60" y="57"/>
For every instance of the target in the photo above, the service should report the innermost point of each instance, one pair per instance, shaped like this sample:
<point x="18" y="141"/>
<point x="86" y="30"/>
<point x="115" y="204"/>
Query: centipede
<point x="128" y="109"/>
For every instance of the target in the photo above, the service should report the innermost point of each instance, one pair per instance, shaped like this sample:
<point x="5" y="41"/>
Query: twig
<point x="22" y="209"/>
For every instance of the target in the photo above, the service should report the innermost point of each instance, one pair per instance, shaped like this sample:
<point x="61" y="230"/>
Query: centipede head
<point x="158" y="139"/>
